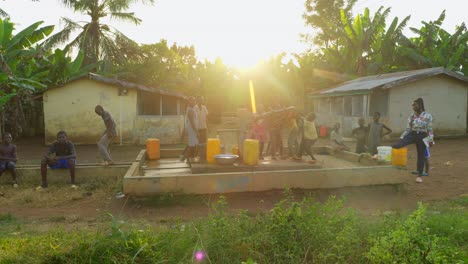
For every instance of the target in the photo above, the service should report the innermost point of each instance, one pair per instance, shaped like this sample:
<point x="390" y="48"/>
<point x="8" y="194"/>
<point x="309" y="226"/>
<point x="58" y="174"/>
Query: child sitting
<point x="337" y="140"/>
<point x="8" y="157"/>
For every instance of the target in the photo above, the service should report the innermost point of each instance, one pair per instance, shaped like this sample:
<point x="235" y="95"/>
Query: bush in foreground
<point x="292" y="232"/>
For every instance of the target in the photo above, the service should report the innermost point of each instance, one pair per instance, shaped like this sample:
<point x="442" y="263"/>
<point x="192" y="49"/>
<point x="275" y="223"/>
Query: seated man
<point x="8" y="157"/>
<point x="65" y="156"/>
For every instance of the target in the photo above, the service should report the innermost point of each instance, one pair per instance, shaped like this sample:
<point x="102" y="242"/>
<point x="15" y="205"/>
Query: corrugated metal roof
<point x="389" y="80"/>
<point x="124" y="84"/>
<point x="129" y="85"/>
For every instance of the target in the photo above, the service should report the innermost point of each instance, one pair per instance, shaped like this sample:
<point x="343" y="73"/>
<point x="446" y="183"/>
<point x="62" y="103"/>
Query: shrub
<point x="411" y="242"/>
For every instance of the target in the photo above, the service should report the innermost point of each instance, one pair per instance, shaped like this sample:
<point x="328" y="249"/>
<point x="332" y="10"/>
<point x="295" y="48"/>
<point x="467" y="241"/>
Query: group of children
<point x="268" y="126"/>
<point x="368" y="138"/>
<point x="61" y="153"/>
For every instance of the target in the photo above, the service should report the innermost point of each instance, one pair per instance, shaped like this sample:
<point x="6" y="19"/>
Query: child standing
<point x="376" y="133"/>
<point x="361" y="134"/>
<point x="293" y="133"/>
<point x="259" y="132"/>
<point x="308" y="139"/>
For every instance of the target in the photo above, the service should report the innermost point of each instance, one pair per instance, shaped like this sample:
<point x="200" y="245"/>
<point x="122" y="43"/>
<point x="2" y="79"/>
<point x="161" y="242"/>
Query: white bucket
<point x="384" y="153"/>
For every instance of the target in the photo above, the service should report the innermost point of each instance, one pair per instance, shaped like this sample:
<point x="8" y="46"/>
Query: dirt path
<point x="448" y="179"/>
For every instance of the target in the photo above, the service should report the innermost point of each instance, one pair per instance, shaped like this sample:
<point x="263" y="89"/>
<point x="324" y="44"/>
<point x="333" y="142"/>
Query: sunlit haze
<point x="240" y="32"/>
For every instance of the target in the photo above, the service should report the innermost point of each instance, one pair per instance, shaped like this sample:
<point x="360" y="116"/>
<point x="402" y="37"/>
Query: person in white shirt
<point x="202" y="113"/>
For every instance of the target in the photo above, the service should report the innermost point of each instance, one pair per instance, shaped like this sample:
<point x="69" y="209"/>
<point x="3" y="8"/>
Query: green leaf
<point x="455" y="58"/>
<point x="40" y="34"/>
<point x="4" y="99"/>
<point x="76" y="64"/>
<point x="19" y="39"/>
<point x="7" y="30"/>
<point x="3" y="77"/>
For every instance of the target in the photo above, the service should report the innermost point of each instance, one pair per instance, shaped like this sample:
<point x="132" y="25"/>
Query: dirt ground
<point x="91" y="203"/>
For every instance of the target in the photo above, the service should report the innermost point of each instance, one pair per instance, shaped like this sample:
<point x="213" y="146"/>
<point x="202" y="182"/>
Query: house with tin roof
<point x="445" y="95"/>
<point x="140" y="112"/>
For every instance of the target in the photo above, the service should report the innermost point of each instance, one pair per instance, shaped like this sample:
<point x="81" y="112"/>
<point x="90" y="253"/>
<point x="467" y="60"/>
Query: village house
<point x="140" y="112"/>
<point x="445" y="95"/>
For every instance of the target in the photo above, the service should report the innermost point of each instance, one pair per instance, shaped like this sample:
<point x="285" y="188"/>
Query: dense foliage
<point x="292" y="232"/>
<point x="344" y="46"/>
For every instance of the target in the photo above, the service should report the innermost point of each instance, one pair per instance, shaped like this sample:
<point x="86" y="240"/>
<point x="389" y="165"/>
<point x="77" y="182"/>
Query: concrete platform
<point x="262" y="180"/>
<point x="335" y="169"/>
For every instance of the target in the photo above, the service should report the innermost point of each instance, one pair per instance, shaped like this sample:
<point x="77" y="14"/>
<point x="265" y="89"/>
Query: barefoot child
<point x="108" y="136"/>
<point x="361" y="134"/>
<point x="8" y="157"/>
<point x="291" y="124"/>
<point x="259" y="132"/>
<point x="308" y="139"/>
<point x="376" y="134"/>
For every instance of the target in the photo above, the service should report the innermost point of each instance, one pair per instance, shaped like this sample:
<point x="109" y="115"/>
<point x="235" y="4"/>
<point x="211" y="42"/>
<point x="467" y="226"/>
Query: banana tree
<point x="20" y="76"/>
<point x="365" y="46"/>
<point x="62" y="69"/>
<point x="18" y="56"/>
<point x="434" y="46"/>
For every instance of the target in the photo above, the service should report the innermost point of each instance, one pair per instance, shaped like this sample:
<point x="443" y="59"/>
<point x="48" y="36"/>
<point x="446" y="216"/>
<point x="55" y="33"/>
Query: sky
<point x="240" y="32"/>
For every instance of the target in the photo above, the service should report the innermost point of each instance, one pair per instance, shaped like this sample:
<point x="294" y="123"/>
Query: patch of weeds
<point x="7" y="219"/>
<point x="169" y="199"/>
<point x="27" y="199"/>
<point x="57" y="219"/>
<point x="93" y="184"/>
<point x="413" y="241"/>
<point x="294" y="231"/>
<point x="463" y="201"/>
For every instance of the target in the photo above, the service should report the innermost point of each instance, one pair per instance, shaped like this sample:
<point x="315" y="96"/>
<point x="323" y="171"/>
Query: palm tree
<point x="97" y="40"/>
<point x="3" y="13"/>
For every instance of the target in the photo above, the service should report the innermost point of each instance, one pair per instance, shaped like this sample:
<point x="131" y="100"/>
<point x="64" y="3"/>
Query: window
<point x="378" y="102"/>
<point x="149" y="103"/>
<point x="169" y="105"/>
<point x="315" y="105"/>
<point x="324" y="106"/>
<point x="337" y="105"/>
<point x="157" y="104"/>
<point x="348" y="105"/>
<point x="357" y="105"/>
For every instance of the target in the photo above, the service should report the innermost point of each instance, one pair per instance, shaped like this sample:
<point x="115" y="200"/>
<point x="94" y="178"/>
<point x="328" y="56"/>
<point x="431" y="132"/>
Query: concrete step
<point x="31" y="174"/>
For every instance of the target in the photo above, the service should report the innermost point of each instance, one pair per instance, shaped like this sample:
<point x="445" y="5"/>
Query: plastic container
<point x="235" y="150"/>
<point x="384" y="153"/>
<point x="323" y="131"/>
<point x="399" y="157"/>
<point x="250" y="151"/>
<point x="153" y="151"/>
<point x="213" y="147"/>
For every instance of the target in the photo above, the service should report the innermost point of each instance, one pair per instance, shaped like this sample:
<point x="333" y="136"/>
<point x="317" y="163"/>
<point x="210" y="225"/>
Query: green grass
<point x="292" y="232"/>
